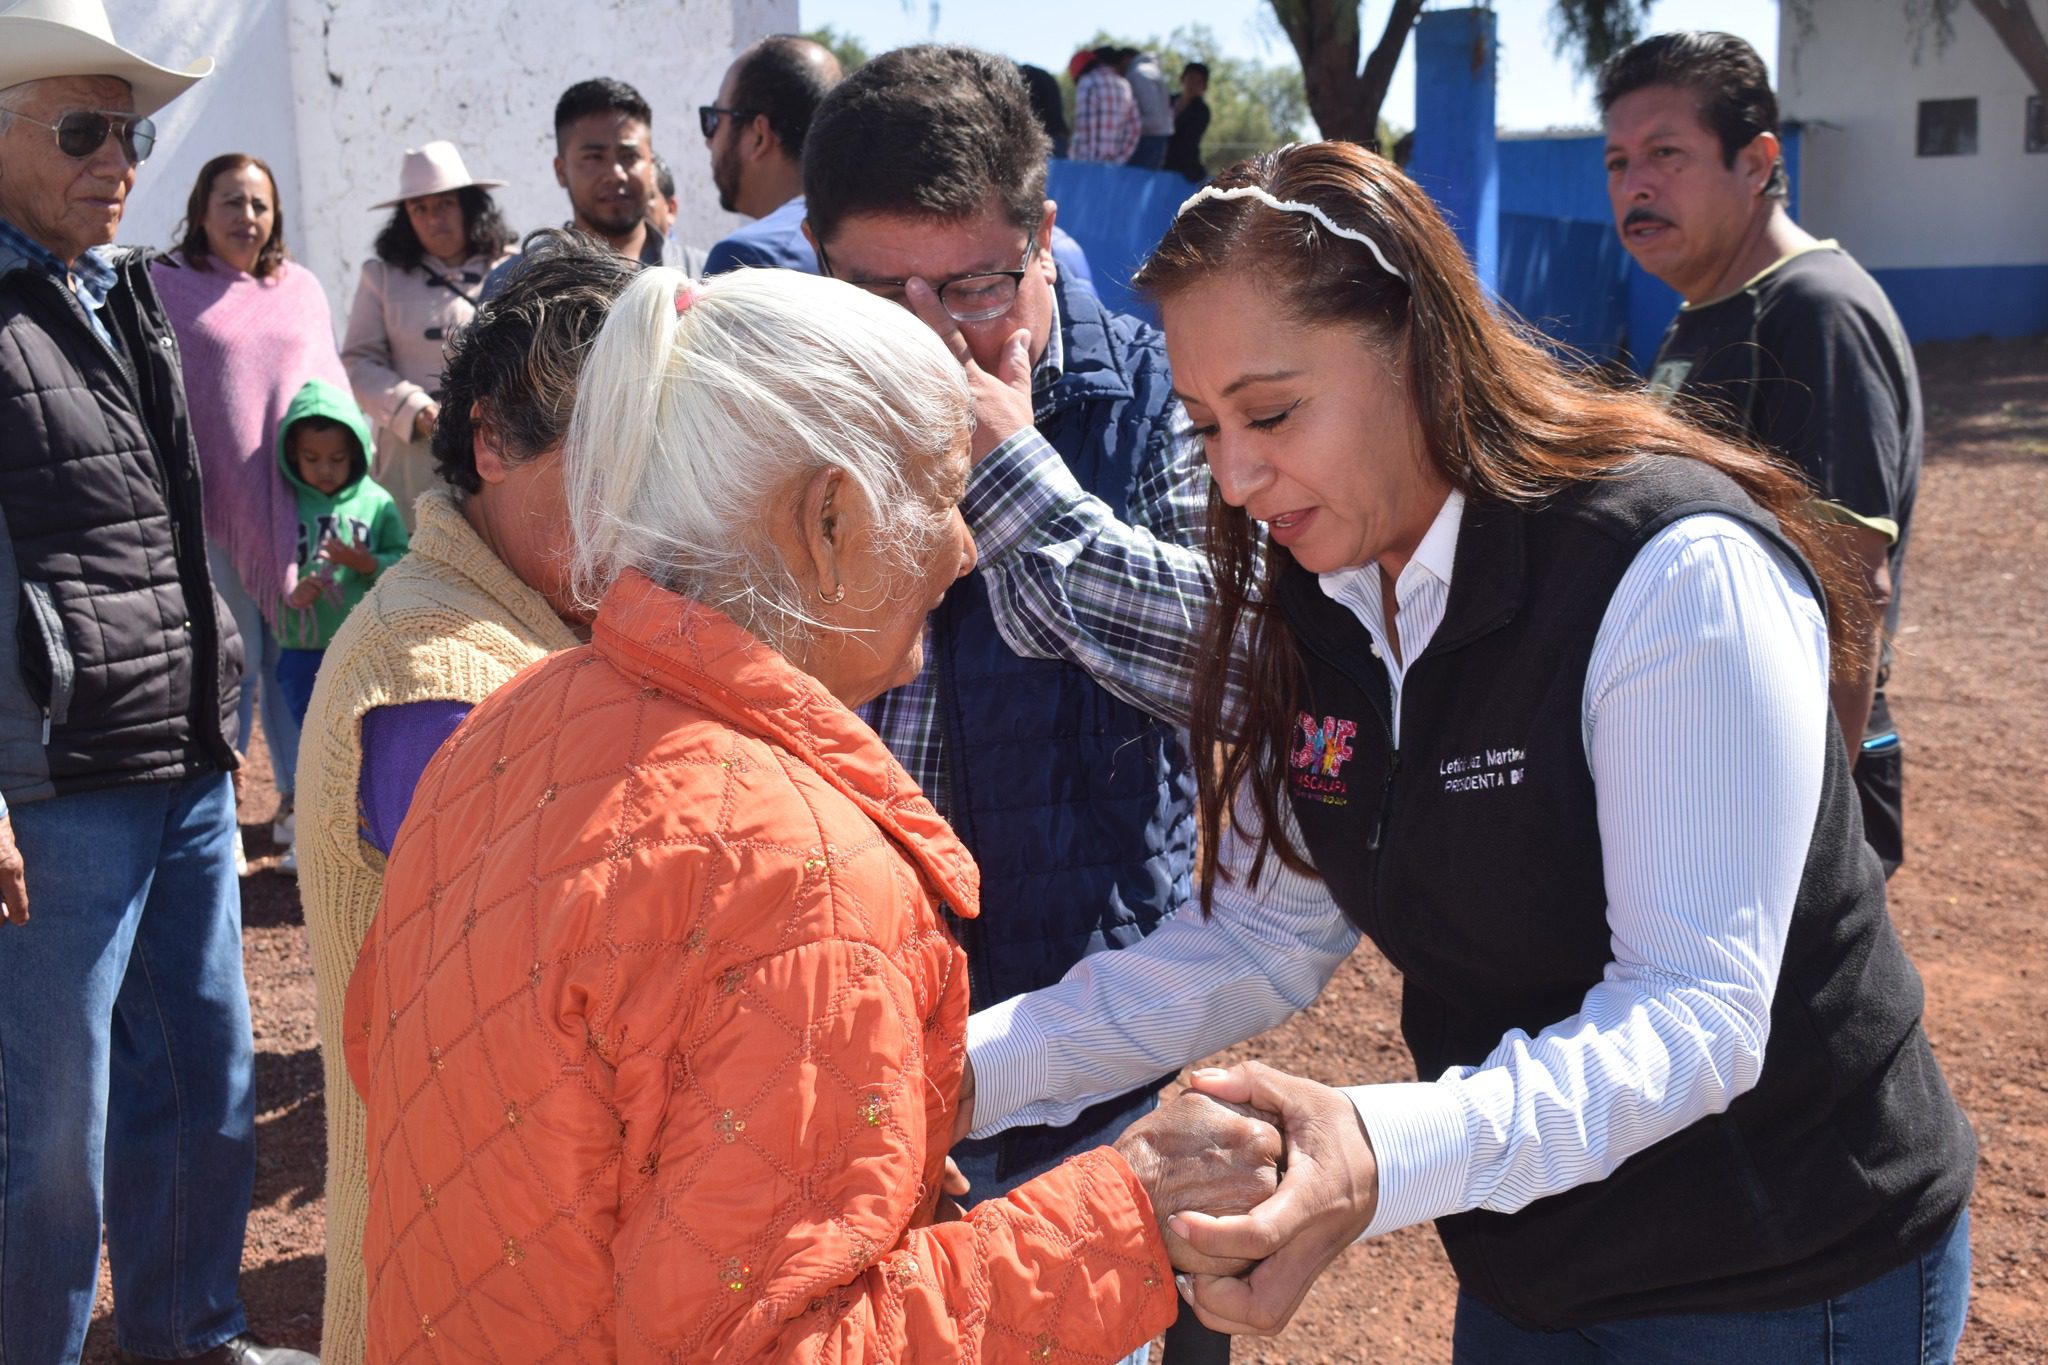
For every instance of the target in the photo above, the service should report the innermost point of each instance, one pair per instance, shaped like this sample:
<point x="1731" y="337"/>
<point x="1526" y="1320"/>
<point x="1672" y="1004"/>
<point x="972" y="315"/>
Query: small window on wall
<point x="2037" y="124"/>
<point x="1948" y="127"/>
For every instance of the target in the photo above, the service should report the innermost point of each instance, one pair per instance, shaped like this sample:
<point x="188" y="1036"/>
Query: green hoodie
<point x="360" y="511"/>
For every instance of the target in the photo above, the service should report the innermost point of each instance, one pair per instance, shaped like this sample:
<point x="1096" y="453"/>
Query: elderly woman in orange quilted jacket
<point x="660" y="1027"/>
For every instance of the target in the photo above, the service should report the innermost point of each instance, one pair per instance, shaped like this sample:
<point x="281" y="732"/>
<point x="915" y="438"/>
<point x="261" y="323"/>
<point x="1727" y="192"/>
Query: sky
<point x="1537" y="88"/>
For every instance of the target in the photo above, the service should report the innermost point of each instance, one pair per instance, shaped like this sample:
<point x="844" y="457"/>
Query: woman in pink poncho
<point x="253" y="327"/>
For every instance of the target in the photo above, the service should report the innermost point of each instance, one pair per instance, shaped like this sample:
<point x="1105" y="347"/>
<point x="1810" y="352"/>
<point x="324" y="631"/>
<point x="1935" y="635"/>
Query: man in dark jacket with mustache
<point x="1783" y="338"/>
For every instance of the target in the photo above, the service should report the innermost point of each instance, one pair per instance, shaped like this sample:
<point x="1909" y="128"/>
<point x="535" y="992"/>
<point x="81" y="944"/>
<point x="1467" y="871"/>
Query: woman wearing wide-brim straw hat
<point x="444" y="235"/>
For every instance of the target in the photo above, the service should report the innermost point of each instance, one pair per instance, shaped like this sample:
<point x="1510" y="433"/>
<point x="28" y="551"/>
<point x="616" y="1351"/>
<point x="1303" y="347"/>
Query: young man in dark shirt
<point x="1782" y="339"/>
<point x="1190" y="123"/>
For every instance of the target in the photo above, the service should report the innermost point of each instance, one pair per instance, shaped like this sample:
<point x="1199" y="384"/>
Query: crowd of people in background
<point x="787" y="745"/>
<point x="1124" y="115"/>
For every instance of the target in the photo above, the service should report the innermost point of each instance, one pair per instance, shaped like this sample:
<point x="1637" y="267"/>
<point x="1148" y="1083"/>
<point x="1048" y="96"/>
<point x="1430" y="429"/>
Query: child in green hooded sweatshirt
<point x="349" y="529"/>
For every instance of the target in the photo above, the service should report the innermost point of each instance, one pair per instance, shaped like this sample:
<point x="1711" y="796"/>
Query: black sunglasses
<point x="709" y="114"/>
<point x="82" y="132"/>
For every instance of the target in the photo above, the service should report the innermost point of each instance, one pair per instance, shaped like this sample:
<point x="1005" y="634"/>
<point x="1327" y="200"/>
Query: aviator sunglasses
<point x="82" y="132"/>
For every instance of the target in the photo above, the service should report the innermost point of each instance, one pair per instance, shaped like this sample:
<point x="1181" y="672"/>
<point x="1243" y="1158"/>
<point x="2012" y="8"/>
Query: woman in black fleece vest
<point x="1535" y="694"/>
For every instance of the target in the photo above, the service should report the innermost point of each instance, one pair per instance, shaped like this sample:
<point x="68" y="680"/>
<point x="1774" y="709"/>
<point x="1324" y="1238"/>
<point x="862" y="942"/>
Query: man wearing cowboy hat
<point x="125" y="1053"/>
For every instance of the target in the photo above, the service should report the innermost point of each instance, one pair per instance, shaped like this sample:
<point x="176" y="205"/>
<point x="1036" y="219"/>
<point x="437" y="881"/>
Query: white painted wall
<point x="244" y="106"/>
<point x="1860" y="178"/>
<point x="332" y="92"/>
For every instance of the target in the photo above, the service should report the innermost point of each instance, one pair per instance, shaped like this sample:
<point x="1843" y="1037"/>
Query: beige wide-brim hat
<point x="40" y="39"/>
<point x="434" y="169"/>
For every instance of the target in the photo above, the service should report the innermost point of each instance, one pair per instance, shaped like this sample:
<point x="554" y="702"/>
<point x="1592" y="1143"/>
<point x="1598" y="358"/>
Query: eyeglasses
<point x="82" y="132"/>
<point x="709" y="114"/>
<point x="966" y="298"/>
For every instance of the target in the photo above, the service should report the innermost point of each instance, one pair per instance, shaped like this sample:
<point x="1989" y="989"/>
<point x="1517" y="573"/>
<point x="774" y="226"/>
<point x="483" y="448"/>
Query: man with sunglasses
<point x="924" y="180"/>
<point x="755" y="134"/>
<point x="125" y="1052"/>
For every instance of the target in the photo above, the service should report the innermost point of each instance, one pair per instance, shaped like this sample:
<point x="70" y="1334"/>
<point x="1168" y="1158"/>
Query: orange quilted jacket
<point x="660" y="1034"/>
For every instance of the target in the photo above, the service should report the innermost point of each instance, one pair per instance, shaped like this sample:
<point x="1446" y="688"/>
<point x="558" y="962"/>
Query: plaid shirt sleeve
<point x="1105" y="119"/>
<point x="1091" y="111"/>
<point x="1125" y="601"/>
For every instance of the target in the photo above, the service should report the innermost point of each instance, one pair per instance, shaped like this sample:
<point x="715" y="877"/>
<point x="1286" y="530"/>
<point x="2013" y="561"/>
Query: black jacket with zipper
<point x="118" y="662"/>
<point x="1471" y="856"/>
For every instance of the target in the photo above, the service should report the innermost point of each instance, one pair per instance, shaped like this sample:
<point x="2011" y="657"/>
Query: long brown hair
<point x="193" y="244"/>
<point x="1502" y="419"/>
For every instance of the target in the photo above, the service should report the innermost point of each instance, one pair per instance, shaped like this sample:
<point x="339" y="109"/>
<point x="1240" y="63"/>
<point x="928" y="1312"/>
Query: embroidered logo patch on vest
<point x="1318" y="764"/>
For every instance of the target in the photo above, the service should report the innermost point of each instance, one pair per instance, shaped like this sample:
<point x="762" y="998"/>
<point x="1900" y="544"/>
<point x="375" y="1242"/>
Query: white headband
<point x="1292" y="206"/>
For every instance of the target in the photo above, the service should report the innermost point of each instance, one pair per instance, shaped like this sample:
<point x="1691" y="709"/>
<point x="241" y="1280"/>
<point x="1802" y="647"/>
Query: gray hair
<point x="692" y="424"/>
<point x="10" y="103"/>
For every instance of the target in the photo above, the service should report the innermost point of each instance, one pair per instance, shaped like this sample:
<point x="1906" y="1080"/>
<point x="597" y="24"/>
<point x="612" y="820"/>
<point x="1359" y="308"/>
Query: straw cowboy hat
<point x="434" y="169"/>
<point x="44" y="38"/>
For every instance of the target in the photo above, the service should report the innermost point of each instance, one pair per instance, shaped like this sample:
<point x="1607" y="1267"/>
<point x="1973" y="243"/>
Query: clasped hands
<point x="1259" y="1180"/>
<point x="1269" y="1177"/>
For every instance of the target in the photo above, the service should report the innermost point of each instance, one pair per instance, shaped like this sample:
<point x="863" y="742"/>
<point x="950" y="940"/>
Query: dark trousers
<point x="1189" y="1343"/>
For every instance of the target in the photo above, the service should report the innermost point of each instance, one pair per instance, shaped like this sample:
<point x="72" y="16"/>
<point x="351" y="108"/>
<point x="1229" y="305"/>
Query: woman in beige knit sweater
<point x="481" y="596"/>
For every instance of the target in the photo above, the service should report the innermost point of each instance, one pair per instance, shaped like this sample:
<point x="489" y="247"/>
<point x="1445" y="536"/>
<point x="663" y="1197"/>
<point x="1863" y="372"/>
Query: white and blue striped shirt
<point x="1705" y="713"/>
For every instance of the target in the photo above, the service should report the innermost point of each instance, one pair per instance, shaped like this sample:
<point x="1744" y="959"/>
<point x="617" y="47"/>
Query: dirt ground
<point x="1973" y="649"/>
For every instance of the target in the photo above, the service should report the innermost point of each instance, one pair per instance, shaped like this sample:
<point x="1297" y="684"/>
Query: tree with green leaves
<point x="1346" y="85"/>
<point x="850" y="51"/>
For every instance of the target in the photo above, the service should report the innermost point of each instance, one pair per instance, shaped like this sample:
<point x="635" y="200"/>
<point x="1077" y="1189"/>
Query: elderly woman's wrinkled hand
<point x="1324" y="1204"/>
<point x="1196" y="1152"/>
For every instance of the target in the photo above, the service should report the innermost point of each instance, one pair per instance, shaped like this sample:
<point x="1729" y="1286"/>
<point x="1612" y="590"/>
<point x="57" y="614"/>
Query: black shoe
<point x="241" y="1349"/>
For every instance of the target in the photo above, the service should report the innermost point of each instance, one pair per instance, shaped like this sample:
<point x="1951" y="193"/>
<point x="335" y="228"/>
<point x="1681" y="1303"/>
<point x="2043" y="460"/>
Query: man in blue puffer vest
<point x="924" y="180"/>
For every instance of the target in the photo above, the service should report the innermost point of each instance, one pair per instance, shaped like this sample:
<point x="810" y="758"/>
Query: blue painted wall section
<point x="1952" y="303"/>
<point x="1456" y="156"/>
<point x="1117" y="214"/>
<point x="1561" y="265"/>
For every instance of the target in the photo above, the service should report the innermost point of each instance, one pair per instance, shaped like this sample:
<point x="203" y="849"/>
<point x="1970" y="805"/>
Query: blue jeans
<point x="125" y="1073"/>
<point x="296" y="672"/>
<point x="280" y="730"/>
<point x="1909" y="1316"/>
<point x="1150" y="153"/>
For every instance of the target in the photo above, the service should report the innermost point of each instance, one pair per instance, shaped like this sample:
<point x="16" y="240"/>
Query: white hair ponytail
<point x="689" y="422"/>
<point x="613" y="429"/>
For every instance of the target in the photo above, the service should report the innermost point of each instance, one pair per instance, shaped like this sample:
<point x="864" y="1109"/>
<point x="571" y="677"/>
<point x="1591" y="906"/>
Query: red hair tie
<point x="687" y="295"/>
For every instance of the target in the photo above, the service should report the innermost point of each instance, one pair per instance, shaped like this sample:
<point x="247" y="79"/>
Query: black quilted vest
<point x="1472" y="859"/>
<point x="125" y="668"/>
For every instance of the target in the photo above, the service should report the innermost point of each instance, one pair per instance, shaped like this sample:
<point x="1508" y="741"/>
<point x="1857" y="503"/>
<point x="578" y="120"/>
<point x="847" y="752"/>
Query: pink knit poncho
<point x="248" y="345"/>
